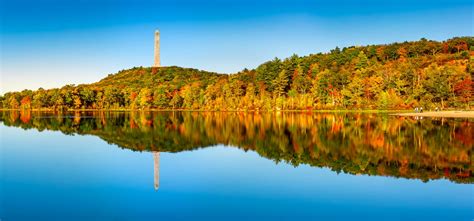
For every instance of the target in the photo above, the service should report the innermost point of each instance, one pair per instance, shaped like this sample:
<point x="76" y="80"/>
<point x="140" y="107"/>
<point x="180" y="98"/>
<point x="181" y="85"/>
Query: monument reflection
<point x="156" y="169"/>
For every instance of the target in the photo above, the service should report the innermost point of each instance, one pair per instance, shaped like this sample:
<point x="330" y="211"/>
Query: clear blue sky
<point x="50" y="43"/>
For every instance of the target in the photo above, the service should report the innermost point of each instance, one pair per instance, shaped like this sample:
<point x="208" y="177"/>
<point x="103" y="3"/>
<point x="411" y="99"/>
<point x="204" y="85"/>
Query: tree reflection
<point x="354" y="143"/>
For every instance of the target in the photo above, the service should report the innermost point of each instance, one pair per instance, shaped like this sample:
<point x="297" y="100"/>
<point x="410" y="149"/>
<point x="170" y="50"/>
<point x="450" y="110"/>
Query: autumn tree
<point x="464" y="91"/>
<point x="280" y="83"/>
<point x="145" y="98"/>
<point x="160" y="98"/>
<point x="362" y="61"/>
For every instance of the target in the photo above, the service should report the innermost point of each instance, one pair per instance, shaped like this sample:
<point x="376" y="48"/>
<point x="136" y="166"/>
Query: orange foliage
<point x="25" y="100"/>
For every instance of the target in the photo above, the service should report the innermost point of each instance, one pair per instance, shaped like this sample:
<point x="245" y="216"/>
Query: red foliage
<point x="25" y="116"/>
<point x="295" y="74"/>
<point x="445" y="48"/>
<point x="154" y="70"/>
<point x="133" y="95"/>
<point x="461" y="46"/>
<point x="464" y="174"/>
<point x="26" y="100"/>
<point x="133" y="125"/>
<point x="464" y="89"/>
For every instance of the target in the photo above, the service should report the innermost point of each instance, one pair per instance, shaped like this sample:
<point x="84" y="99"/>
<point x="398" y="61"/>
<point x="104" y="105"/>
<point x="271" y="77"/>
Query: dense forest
<point x="422" y="73"/>
<point x="353" y="143"/>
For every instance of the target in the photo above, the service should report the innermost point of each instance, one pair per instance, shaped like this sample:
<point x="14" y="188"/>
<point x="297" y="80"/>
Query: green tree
<point x="280" y="83"/>
<point x="362" y="61"/>
<point x="13" y="103"/>
<point x="145" y="98"/>
<point x="267" y="72"/>
<point x="87" y="96"/>
<point x="177" y="101"/>
<point x="160" y="99"/>
<point x="436" y="84"/>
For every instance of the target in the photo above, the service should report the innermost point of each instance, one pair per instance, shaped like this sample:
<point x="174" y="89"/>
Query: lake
<point x="234" y="166"/>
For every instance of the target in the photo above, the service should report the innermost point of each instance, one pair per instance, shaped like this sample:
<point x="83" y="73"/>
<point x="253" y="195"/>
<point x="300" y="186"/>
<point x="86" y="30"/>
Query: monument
<point x="157" y="49"/>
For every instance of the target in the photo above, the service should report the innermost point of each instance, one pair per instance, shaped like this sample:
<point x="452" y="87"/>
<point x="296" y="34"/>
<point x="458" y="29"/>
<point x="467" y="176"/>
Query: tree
<point x="87" y="96"/>
<point x="301" y="83"/>
<point x="77" y="101"/>
<point x="249" y="98"/>
<point x="388" y="100"/>
<point x="40" y="99"/>
<point x="160" y="99"/>
<point x="353" y="93"/>
<point x="402" y="54"/>
<point x="66" y="94"/>
<point x="268" y="71"/>
<point x="321" y="87"/>
<point x="176" y="101"/>
<point x="145" y="98"/>
<point x="99" y="100"/>
<point x="436" y="84"/>
<point x="292" y="94"/>
<point x="362" y="61"/>
<point x="57" y="99"/>
<point x="112" y="98"/>
<point x="463" y="89"/>
<point x="26" y="102"/>
<point x="14" y="104"/>
<point x="280" y="83"/>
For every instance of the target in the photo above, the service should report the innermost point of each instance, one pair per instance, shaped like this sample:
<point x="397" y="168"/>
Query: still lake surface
<point x="234" y="166"/>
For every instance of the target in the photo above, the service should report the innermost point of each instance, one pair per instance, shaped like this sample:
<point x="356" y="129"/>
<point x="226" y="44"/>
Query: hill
<point x="394" y="76"/>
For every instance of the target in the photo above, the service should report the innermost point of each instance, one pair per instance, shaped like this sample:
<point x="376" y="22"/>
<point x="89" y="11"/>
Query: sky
<point x="51" y="43"/>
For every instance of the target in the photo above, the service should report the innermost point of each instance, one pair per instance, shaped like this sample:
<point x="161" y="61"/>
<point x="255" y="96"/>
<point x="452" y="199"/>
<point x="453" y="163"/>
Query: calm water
<point x="148" y="166"/>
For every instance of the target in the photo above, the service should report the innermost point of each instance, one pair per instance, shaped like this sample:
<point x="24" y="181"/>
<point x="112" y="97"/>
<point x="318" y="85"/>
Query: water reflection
<point x="372" y="144"/>
<point x="156" y="169"/>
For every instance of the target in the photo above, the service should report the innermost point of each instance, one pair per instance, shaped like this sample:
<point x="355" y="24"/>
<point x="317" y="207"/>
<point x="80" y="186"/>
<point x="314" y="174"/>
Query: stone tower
<point x="157" y="49"/>
<point x="156" y="166"/>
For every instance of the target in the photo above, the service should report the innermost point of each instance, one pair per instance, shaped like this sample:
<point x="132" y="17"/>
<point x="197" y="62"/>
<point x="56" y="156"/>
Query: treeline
<point x="395" y="76"/>
<point x="343" y="142"/>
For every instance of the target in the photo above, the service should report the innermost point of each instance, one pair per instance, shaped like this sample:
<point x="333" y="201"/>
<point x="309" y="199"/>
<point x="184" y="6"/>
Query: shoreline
<point x="197" y="110"/>
<point x="400" y="113"/>
<point x="444" y="114"/>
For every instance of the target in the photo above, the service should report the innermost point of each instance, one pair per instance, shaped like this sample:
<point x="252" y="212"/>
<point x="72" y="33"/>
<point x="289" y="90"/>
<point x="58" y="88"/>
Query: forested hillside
<point x="394" y="76"/>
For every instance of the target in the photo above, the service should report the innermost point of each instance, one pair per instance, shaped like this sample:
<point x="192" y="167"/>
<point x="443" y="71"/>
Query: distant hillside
<point x="395" y="76"/>
<point x="165" y="76"/>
